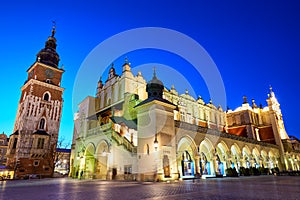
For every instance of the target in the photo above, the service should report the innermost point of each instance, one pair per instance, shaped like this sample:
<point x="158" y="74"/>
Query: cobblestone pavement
<point x="260" y="187"/>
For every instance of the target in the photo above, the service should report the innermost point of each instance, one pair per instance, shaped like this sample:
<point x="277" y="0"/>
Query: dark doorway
<point x="114" y="173"/>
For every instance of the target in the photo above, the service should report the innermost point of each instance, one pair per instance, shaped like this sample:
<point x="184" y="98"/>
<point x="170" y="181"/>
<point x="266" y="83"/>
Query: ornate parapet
<point x="192" y="127"/>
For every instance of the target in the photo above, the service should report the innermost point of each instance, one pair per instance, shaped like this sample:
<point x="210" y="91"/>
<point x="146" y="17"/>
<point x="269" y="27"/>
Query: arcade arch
<point x="101" y="166"/>
<point x="207" y="157"/>
<point x="89" y="160"/>
<point x="187" y="157"/>
<point x="235" y="156"/>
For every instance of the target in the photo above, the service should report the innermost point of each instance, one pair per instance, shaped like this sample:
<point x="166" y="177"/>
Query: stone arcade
<point x="141" y="131"/>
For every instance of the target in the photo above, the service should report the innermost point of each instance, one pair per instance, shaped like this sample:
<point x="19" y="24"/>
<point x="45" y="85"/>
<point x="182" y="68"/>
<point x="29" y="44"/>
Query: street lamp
<point x="155" y="143"/>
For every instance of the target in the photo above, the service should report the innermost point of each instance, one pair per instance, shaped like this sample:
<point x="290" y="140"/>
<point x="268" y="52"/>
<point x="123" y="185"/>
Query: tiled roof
<point x="41" y="132"/>
<point x="239" y="131"/>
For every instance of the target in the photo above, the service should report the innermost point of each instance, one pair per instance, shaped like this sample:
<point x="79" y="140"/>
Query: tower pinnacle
<point x="48" y="54"/>
<point x="155" y="87"/>
<point x="53" y="28"/>
<point x="271" y="91"/>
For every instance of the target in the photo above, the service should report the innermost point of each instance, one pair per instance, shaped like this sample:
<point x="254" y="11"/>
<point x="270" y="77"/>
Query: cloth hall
<point x="138" y="130"/>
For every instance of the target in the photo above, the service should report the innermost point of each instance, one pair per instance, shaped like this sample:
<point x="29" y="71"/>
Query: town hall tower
<point x="33" y="142"/>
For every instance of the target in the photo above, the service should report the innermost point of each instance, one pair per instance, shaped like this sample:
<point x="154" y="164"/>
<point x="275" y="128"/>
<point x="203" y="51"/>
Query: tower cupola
<point x="155" y="87"/>
<point x="48" y="55"/>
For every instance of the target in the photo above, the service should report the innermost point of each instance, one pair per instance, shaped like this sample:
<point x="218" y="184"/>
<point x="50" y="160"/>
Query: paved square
<point x="259" y="187"/>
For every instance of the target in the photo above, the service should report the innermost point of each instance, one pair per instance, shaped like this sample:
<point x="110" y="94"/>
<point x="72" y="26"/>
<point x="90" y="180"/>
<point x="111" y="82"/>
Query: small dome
<point x="48" y="55"/>
<point x="155" y="87"/>
<point x="155" y="80"/>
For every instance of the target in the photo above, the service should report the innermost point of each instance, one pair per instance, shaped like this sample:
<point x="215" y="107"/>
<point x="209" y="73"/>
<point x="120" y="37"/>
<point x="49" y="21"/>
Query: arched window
<point x="42" y="124"/>
<point x="46" y="96"/>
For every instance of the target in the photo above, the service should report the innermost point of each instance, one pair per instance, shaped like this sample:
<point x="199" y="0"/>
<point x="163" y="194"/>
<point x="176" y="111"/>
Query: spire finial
<point x="53" y="28"/>
<point x="154" y="72"/>
<point x="271" y="89"/>
<point x="245" y="99"/>
<point x="253" y="103"/>
<point x="126" y="60"/>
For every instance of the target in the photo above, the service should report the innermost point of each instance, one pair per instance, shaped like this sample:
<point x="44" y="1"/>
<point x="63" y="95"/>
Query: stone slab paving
<point x="260" y="187"/>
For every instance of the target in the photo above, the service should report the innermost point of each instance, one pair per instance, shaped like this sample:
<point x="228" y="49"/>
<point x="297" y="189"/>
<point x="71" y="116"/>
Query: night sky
<point x="254" y="44"/>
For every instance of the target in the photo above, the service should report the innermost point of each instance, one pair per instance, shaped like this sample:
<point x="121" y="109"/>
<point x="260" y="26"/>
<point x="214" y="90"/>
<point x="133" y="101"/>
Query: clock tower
<point x="32" y="145"/>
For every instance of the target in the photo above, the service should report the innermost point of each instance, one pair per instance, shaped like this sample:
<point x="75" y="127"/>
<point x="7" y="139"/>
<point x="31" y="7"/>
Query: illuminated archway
<point x="247" y="156"/>
<point x="206" y="156"/>
<point x="272" y="160"/>
<point x="89" y="161"/>
<point x="265" y="159"/>
<point x="256" y="158"/>
<point x="187" y="152"/>
<point x="297" y="160"/>
<point x="235" y="156"/>
<point x="222" y="157"/>
<point x="101" y="167"/>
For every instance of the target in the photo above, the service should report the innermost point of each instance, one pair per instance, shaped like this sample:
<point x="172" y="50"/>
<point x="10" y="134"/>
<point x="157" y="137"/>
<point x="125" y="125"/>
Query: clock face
<point x="49" y="73"/>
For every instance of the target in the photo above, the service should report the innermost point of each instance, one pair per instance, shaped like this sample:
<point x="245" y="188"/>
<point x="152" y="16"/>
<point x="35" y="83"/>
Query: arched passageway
<point x="187" y="157"/>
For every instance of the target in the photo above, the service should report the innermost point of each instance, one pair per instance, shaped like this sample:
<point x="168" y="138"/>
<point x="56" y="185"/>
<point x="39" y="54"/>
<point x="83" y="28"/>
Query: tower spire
<point x="53" y="28"/>
<point x="154" y="72"/>
<point x="48" y="54"/>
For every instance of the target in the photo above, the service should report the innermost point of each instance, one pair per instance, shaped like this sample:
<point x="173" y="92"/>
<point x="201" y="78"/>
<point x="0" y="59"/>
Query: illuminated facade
<point x="141" y="131"/>
<point x="31" y="148"/>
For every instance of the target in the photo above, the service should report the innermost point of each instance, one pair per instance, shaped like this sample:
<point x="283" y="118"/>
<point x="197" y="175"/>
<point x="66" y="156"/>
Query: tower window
<point x="40" y="144"/>
<point x="15" y="143"/>
<point x="42" y="124"/>
<point x="36" y="163"/>
<point x="46" y="96"/>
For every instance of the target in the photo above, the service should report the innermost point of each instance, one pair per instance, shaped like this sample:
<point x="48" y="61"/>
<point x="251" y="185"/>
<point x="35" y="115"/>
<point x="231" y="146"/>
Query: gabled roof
<point x="41" y="132"/>
<point x="16" y="132"/>
<point x="155" y="98"/>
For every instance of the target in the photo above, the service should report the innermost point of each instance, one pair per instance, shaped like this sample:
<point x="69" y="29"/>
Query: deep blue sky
<point x="253" y="43"/>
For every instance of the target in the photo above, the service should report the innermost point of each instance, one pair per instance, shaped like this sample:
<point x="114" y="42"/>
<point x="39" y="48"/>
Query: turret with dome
<point x="155" y="87"/>
<point x="48" y="55"/>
